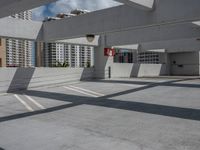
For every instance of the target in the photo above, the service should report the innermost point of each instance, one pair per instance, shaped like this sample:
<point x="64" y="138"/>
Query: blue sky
<point x="66" y="6"/>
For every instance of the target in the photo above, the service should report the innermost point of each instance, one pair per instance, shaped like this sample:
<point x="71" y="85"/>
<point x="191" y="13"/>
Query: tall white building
<point x="74" y="55"/>
<point x="19" y="52"/>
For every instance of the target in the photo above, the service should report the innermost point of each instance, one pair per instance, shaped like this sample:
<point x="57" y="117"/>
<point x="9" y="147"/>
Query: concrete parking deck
<point x="117" y="114"/>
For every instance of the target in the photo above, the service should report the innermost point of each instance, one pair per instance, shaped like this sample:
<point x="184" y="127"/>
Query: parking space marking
<point x="24" y="103"/>
<point x="86" y="90"/>
<point x="3" y="94"/>
<point x="79" y="91"/>
<point x="130" y="85"/>
<point x="34" y="101"/>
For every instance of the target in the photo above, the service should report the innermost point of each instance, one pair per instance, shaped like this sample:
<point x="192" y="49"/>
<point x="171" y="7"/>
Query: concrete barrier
<point x="12" y="79"/>
<point x="138" y="70"/>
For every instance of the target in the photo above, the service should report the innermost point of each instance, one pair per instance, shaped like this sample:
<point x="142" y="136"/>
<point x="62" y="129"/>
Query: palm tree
<point x="64" y="64"/>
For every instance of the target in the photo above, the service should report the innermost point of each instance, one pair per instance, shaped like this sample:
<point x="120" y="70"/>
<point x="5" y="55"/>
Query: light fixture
<point x="90" y="37"/>
<point x="198" y="39"/>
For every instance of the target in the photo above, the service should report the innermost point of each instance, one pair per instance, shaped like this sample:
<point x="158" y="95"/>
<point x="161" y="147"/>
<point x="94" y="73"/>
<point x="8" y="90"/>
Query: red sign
<point x="109" y="52"/>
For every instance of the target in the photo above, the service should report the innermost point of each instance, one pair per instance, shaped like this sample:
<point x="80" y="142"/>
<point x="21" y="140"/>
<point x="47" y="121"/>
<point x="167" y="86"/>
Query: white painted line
<point x="130" y="85"/>
<point x="3" y="94"/>
<point x="86" y="90"/>
<point x="82" y="92"/>
<point x="34" y="101"/>
<point x="23" y="102"/>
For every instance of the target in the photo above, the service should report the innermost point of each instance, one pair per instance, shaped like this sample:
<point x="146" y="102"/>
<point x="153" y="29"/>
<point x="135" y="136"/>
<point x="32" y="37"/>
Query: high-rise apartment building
<point x="2" y="53"/>
<point x="74" y="55"/>
<point x="80" y="56"/>
<point x="19" y="52"/>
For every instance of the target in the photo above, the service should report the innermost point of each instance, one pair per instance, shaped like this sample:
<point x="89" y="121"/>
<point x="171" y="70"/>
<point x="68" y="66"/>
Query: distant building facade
<point x="75" y="56"/>
<point x="2" y="53"/>
<point x="19" y="52"/>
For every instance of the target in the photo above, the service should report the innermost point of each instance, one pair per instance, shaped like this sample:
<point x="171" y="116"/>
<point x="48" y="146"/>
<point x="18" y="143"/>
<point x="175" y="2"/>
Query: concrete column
<point x="199" y="62"/>
<point x="101" y="62"/>
<point x="167" y="62"/>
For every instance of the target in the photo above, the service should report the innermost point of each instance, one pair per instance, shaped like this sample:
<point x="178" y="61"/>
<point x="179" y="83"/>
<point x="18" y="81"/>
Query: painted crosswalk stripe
<point x="34" y="102"/>
<point x="24" y="103"/>
<point x="86" y="90"/>
<point x="79" y="91"/>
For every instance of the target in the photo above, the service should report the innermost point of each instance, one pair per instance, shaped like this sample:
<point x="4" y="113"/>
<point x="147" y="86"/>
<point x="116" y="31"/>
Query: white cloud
<point x="38" y="13"/>
<point x="68" y="5"/>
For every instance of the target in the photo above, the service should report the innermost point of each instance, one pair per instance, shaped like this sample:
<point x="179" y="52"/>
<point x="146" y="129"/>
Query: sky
<point x="65" y="6"/>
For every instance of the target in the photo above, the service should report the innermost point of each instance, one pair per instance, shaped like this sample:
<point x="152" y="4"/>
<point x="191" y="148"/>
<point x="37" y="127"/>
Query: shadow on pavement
<point x="21" y="79"/>
<point x="169" y="83"/>
<point x="106" y="101"/>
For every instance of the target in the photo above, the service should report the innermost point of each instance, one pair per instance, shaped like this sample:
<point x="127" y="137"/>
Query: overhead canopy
<point x="170" y="46"/>
<point x="81" y="41"/>
<point x="123" y="18"/>
<point x="180" y="45"/>
<point x="123" y="25"/>
<point x="153" y="34"/>
<point x="130" y="47"/>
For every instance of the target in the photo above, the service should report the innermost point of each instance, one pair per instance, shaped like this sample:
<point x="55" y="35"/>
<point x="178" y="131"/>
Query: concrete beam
<point x="143" y="4"/>
<point x="170" y="46"/>
<point x="21" y="29"/>
<point x="9" y="7"/>
<point x="81" y="41"/>
<point x="32" y="30"/>
<point x="181" y="45"/>
<point x="122" y="18"/>
<point x="196" y="23"/>
<point x="128" y="47"/>
<point x="153" y="34"/>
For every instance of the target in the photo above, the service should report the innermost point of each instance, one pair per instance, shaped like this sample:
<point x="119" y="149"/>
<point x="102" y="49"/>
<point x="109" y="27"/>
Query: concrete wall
<point x="12" y="79"/>
<point x="138" y="70"/>
<point x="185" y="63"/>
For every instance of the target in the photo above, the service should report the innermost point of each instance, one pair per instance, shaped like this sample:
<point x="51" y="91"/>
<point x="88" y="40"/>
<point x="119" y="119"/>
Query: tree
<point x="64" y="64"/>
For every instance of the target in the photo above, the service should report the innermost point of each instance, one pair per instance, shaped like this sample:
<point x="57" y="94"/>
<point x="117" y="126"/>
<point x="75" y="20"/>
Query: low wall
<point x="185" y="70"/>
<point x="12" y="79"/>
<point x="185" y="63"/>
<point x="138" y="70"/>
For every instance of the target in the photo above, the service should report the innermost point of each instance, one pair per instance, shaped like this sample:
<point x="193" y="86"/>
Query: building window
<point x="123" y="56"/>
<point x="148" y="58"/>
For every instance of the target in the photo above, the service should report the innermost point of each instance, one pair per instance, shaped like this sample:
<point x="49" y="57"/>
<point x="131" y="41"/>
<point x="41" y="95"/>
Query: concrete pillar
<point x="199" y="62"/>
<point x="167" y="62"/>
<point x="101" y="62"/>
